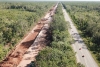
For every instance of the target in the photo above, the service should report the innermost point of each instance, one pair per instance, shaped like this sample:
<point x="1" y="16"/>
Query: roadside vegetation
<point x="59" y="52"/>
<point x="86" y="16"/>
<point x="16" y="19"/>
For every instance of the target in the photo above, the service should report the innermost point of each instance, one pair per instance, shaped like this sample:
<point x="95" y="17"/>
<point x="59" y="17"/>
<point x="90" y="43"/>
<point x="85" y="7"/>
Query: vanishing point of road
<point x="87" y="60"/>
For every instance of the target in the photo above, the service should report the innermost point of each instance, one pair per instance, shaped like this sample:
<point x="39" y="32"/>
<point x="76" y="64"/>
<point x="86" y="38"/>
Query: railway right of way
<point x="26" y="50"/>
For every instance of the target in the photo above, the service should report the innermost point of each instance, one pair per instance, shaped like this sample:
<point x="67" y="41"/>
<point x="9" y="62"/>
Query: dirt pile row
<point x="16" y="55"/>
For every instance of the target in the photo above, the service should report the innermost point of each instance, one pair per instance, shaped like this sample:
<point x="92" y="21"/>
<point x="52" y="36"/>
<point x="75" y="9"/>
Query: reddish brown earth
<point x="16" y="55"/>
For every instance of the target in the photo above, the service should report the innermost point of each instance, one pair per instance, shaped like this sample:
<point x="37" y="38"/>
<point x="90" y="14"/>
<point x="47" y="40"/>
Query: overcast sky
<point x="49" y="0"/>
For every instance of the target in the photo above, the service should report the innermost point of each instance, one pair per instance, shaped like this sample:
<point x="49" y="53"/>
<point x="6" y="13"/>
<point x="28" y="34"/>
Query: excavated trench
<point x="13" y="59"/>
<point x="38" y="38"/>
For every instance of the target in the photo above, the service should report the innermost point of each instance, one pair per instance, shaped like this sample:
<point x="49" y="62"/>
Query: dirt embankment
<point x="16" y="55"/>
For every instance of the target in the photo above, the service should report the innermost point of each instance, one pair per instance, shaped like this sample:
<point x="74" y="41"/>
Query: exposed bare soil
<point x="16" y="55"/>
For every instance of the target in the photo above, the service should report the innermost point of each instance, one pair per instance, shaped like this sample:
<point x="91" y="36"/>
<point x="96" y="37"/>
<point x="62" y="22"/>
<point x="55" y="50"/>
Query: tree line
<point x="16" y="19"/>
<point x="86" y="17"/>
<point x="59" y="52"/>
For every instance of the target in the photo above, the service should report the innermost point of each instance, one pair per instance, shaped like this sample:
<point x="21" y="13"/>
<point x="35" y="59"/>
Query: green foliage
<point x="3" y="51"/>
<point x="53" y="58"/>
<point x="16" y="19"/>
<point x="59" y="53"/>
<point x="80" y="65"/>
<point x="86" y="17"/>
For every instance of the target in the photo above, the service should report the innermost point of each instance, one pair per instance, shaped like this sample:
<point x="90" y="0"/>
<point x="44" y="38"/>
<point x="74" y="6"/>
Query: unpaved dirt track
<point x="88" y="61"/>
<point x="15" y="57"/>
<point x="23" y="49"/>
<point x="33" y="50"/>
<point x="38" y="44"/>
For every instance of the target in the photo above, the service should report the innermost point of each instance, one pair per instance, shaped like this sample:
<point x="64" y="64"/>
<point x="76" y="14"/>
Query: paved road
<point x="87" y="60"/>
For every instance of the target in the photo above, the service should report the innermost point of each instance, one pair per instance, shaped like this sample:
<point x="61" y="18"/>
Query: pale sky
<point x="49" y="0"/>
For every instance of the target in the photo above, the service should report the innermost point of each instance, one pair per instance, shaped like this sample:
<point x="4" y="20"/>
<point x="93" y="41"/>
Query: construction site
<point x="26" y="51"/>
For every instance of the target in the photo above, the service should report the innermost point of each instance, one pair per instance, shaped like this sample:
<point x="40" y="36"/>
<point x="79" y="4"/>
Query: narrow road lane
<point x="87" y="60"/>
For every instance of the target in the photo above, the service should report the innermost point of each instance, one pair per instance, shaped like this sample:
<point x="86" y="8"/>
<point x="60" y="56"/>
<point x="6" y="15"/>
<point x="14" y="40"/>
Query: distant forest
<point x="16" y="19"/>
<point x="86" y="16"/>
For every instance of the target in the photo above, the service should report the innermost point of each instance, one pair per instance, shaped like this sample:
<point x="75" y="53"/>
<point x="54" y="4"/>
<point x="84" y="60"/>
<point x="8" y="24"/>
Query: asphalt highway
<point x="78" y="45"/>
